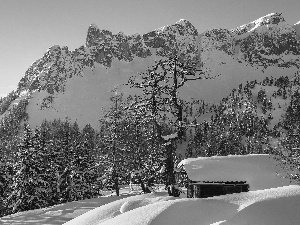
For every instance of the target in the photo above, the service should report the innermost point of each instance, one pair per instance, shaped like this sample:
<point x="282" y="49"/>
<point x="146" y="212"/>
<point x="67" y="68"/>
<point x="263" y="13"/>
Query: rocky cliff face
<point x="51" y="71"/>
<point x="179" y="39"/>
<point x="102" y="46"/>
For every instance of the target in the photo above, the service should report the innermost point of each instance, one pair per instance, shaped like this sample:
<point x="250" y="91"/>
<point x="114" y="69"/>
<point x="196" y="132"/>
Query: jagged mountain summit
<point x="265" y="41"/>
<point x="77" y="84"/>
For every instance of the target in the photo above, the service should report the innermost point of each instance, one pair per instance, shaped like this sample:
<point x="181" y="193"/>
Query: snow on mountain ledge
<point x="297" y="28"/>
<point x="260" y="171"/>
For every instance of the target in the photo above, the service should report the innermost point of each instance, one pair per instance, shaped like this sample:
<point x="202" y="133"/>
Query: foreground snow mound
<point x="276" y="206"/>
<point x="259" y="170"/>
<point x="58" y="214"/>
<point x="179" y="211"/>
<point x="280" y="206"/>
<point x="113" y="209"/>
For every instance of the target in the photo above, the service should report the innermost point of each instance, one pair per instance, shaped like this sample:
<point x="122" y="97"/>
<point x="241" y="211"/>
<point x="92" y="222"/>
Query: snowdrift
<point x="276" y="206"/>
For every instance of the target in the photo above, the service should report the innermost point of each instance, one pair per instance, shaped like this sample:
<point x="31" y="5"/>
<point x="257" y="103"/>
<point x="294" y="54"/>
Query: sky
<point x="29" y="27"/>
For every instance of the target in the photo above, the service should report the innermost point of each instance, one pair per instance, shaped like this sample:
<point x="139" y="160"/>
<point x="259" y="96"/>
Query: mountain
<point x="77" y="84"/>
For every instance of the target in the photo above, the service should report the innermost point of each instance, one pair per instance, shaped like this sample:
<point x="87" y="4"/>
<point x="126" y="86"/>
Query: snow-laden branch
<point x="170" y="136"/>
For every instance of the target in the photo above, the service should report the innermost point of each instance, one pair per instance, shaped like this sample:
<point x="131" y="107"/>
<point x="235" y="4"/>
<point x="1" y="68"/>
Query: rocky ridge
<point x="266" y="41"/>
<point x="102" y="46"/>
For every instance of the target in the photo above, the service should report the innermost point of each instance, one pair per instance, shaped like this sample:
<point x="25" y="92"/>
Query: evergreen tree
<point x="29" y="188"/>
<point x="85" y="163"/>
<point x="112" y="154"/>
<point x="6" y="179"/>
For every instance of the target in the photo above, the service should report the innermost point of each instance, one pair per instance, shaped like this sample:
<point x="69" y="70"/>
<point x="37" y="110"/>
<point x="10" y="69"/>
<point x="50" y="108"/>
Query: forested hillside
<point x="59" y="162"/>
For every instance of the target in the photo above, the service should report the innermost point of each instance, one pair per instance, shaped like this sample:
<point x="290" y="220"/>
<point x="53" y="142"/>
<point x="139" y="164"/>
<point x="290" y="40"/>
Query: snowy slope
<point x="87" y="95"/>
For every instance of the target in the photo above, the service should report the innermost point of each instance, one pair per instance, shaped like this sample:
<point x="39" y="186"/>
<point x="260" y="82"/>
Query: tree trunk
<point x="170" y="177"/>
<point x="117" y="186"/>
<point x="142" y="185"/>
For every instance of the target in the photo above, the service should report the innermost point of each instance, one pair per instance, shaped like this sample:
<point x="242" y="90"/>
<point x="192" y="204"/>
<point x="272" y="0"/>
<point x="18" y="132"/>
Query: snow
<point x="229" y="73"/>
<point x="268" y="203"/>
<point x="259" y="22"/>
<point x="272" y="206"/>
<point x="276" y="206"/>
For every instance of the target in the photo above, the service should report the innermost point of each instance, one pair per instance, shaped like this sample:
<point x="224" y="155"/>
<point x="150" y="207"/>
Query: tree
<point x="85" y="163"/>
<point x="6" y="180"/>
<point x="112" y="154"/>
<point x="29" y="187"/>
<point x="160" y="85"/>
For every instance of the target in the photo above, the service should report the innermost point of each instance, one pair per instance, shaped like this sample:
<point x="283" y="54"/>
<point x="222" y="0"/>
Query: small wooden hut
<point x="207" y="189"/>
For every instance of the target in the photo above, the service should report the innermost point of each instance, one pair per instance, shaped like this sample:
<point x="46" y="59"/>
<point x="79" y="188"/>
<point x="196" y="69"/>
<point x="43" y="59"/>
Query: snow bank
<point x="260" y="171"/>
<point x="180" y="211"/>
<point x="59" y="214"/>
<point x="113" y="209"/>
<point x="276" y="206"/>
<point x="269" y="207"/>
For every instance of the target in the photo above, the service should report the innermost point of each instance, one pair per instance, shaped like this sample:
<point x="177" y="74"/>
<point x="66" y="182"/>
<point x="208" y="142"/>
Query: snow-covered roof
<point x="259" y="170"/>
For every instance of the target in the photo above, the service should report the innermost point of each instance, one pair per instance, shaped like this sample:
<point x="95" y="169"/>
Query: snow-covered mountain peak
<point x="95" y="35"/>
<point x="183" y="26"/>
<point x="53" y="48"/>
<point x="188" y="26"/>
<point x="266" y="41"/>
<point x="182" y="21"/>
<point x="50" y="72"/>
<point x="178" y="38"/>
<point x="272" y="18"/>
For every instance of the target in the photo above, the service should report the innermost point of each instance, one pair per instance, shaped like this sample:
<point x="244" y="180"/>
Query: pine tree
<point x="29" y="188"/>
<point x="85" y="163"/>
<point x="6" y="180"/>
<point x="112" y="155"/>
